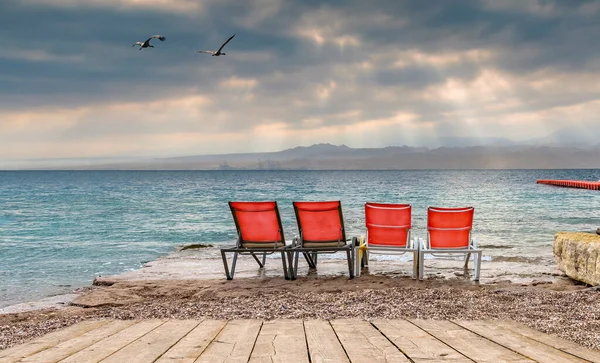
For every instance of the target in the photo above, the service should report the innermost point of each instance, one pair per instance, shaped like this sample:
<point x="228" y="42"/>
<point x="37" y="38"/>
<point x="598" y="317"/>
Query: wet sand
<point x="206" y="263"/>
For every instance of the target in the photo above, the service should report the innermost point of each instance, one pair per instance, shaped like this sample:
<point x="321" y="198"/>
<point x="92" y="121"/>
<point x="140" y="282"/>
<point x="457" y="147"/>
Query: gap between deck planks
<point x="298" y="341"/>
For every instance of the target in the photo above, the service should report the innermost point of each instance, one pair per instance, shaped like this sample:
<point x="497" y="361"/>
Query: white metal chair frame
<point x="367" y="248"/>
<point x="471" y="249"/>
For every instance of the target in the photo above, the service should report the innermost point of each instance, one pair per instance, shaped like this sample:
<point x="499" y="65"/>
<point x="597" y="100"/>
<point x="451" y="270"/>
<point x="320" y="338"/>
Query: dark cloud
<point x="293" y="61"/>
<point x="87" y="45"/>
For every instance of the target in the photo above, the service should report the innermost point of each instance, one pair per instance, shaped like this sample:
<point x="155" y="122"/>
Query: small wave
<point x="517" y="259"/>
<point x="495" y="247"/>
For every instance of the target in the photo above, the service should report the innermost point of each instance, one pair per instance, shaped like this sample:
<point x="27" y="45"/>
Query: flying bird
<point x="146" y="44"/>
<point x="218" y="52"/>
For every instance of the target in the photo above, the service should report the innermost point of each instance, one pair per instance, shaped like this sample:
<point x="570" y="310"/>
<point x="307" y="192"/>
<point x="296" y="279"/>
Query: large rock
<point x="578" y="255"/>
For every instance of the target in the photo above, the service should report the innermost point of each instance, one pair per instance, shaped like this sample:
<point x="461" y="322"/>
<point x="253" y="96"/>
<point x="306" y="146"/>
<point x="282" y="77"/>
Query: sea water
<point x="61" y="229"/>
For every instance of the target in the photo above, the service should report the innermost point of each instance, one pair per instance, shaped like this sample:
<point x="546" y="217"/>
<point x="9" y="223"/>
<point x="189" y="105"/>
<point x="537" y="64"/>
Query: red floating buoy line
<point x="571" y="183"/>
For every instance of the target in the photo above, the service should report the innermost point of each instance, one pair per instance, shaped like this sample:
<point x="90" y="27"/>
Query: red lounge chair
<point x="321" y="227"/>
<point x="388" y="233"/>
<point x="449" y="232"/>
<point x="259" y="232"/>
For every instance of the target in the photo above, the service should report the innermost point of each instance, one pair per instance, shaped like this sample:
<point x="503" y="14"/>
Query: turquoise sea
<point x="60" y="229"/>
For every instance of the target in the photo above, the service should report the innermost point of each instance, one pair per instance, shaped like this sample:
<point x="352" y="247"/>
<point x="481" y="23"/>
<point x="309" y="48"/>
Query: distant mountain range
<point x="342" y="157"/>
<point x="577" y="146"/>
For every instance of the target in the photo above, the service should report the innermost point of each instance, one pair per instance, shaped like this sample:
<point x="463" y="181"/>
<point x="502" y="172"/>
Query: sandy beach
<point x="185" y="285"/>
<point x="569" y="311"/>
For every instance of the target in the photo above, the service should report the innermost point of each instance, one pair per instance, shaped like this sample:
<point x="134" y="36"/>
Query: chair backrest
<point x="257" y="222"/>
<point x="320" y="221"/>
<point x="449" y="227"/>
<point x="388" y="224"/>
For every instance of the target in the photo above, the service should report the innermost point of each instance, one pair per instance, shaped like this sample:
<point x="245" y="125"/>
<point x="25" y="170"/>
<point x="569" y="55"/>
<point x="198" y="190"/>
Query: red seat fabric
<point x="449" y="227"/>
<point x="320" y="221"/>
<point x="257" y="221"/>
<point x="388" y="224"/>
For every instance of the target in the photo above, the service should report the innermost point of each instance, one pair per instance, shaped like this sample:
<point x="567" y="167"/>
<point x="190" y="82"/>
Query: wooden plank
<point x="551" y="340"/>
<point x="323" y="344"/>
<point x="363" y="343"/>
<point x="188" y="349"/>
<point x="416" y="343"/>
<point x="104" y="348"/>
<point x="526" y="346"/>
<point x="234" y="343"/>
<point x="76" y="344"/>
<point x="19" y="352"/>
<point x="280" y="341"/>
<point x="154" y="344"/>
<point x="468" y="343"/>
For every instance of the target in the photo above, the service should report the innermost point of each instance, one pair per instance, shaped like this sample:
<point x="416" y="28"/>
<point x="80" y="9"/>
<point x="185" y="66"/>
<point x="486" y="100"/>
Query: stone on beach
<point x="578" y="255"/>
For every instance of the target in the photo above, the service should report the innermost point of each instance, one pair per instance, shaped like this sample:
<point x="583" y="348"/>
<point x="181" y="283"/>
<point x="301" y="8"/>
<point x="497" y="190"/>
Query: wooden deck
<point x="292" y="341"/>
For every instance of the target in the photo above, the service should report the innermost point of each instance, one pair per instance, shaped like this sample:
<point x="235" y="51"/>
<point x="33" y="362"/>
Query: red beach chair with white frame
<point x="449" y="232"/>
<point x="388" y="232"/>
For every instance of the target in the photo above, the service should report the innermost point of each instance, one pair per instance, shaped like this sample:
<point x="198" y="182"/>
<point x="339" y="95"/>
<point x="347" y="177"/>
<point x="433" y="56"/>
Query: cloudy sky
<point x="361" y="73"/>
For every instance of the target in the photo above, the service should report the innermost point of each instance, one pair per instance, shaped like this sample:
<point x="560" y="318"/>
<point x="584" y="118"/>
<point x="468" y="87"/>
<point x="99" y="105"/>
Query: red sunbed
<point x="321" y="227"/>
<point x="388" y="232"/>
<point x="449" y="232"/>
<point x="259" y="232"/>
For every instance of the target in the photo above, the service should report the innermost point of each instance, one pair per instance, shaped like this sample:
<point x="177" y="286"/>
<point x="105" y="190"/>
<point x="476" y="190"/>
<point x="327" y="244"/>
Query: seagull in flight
<point x="146" y="44"/>
<point x="218" y="52"/>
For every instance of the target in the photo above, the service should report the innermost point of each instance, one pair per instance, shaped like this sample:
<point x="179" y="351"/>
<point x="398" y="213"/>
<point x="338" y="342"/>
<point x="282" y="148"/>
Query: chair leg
<point x="467" y="260"/>
<point x="290" y="257"/>
<point x="365" y="261"/>
<point x="350" y="256"/>
<point x="357" y="262"/>
<point x="352" y="252"/>
<point x="296" y="257"/>
<point x="477" y="266"/>
<point x="264" y="259"/>
<point x="421" y="264"/>
<point x="257" y="260"/>
<point x="415" y="264"/>
<point x="309" y="260"/>
<point x="314" y="258"/>
<point x="229" y="274"/>
<point x="286" y="271"/>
